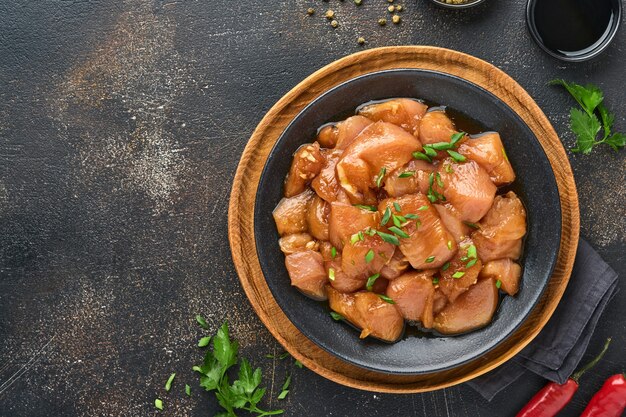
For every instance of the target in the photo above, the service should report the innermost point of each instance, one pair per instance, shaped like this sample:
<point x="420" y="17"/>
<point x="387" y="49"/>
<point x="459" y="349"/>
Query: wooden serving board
<point x="241" y="212"/>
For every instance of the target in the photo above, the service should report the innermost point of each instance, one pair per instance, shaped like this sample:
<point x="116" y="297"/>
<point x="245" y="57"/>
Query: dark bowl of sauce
<point x="573" y="30"/>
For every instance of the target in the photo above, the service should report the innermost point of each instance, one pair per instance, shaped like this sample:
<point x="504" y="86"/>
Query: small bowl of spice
<point x="457" y="4"/>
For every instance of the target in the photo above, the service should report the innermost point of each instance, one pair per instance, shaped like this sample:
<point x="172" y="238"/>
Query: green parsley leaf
<point x="158" y="404"/>
<point x="224" y="349"/>
<point x="498" y="284"/>
<point x="616" y="141"/>
<point x="386" y="217"/>
<point x="336" y="316"/>
<point x="458" y="274"/>
<point x="370" y="281"/>
<point x="388" y="238"/>
<point x="365" y="207"/>
<point x="422" y="156"/>
<point x="586" y="128"/>
<point x="589" y="97"/>
<point x="406" y="174"/>
<point x="285" y="389"/>
<point x="381" y="175"/>
<point x="204" y="341"/>
<point x="369" y="256"/>
<point x="385" y="298"/>
<point x="456" y="156"/>
<point x="202" y="322"/>
<point x="430" y="259"/>
<point x="188" y="390"/>
<point x="168" y="384"/>
<point x="399" y="232"/>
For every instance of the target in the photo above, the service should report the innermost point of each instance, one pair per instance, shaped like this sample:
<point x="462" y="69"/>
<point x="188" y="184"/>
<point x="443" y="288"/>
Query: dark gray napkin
<point x="556" y="351"/>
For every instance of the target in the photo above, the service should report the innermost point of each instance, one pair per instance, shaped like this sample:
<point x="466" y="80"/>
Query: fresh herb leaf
<point x="448" y="167"/>
<point x="365" y="207"/>
<point x="388" y="238"/>
<point x="204" y="342"/>
<point x="385" y="298"/>
<point x="456" y="156"/>
<point x="589" y="97"/>
<point x="406" y="174"/>
<point x="333" y="252"/>
<point x="381" y="175"/>
<point x="369" y="256"/>
<point x="439" y="180"/>
<point x="331" y="274"/>
<point x="441" y="146"/>
<point x="431" y="179"/>
<point x="354" y="238"/>
<point x="386" y="217"/>
<point x="369" y="231"/>
<point x="586" y="128"/>
<point x="188" y="390"/>
<point x="616" y="141"/>
<point x="285" y="389"/>
<point x="422" y="156"/>
<point x="202" y="322"/>
<point x="430" y="259"/>
<point x="158" y="404"/>
<point x="336" y="316"/>
<point x="370" y="281"/>
<point x="399" y="232"/>
<point x="458" y="274"/>
<point x="498" y="284"/>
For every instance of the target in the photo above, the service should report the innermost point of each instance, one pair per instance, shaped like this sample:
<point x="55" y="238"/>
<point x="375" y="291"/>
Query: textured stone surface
<point x="121" y="125"/>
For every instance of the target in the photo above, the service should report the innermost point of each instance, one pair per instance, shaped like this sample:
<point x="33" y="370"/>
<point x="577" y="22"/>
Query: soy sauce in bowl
<point x="573" y="30"/>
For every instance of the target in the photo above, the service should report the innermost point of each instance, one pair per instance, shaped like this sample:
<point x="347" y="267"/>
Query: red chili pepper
<point x="610" y="400"/>
<point x="553" y="397"/>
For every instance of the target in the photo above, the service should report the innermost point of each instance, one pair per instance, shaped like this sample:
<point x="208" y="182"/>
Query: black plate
<point x="535" y="184"/>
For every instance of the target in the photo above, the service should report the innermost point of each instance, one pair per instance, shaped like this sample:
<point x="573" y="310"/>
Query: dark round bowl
<point x="467" y="5"/>
<point x="535" y="185"/>
<point x="578" y="56"/>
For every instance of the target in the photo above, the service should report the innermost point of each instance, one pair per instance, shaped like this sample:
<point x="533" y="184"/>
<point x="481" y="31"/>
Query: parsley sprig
<point x="585" y="124"/>
<point x="244" y="393"/>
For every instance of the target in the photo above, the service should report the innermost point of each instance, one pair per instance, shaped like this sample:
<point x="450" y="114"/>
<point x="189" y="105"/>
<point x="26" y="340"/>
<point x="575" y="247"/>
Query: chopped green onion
<point x="423" y="208"/>
<point x="449" y="244"/>
<point x="158" y="404"/>
<point x="388" y="238"/>
<point x="472" y="225"/>
<point x="411" y="216"/>
<point x="471" y="251"/>
<point x="505" y="155"/>
<point x="331" y="274"/>
<point x="458" y="274"/>
<point x="381" y="175"/>
<point x="429" y="259"/>
<point x="464" y="258"/>
<point x="441" y="146"/>
<point x="285" y="389"/>
<point x="386" y="216"/>
<point x="369" y="231"/>
<point x="370" y="281"/>
<point x="456" y="137"/>
<point x="422" y="156"/>
<point x="386" y="299"/>
<point x="430" y="151"/>
<point x="354" y="238"/>
<point x="202" y="322"/>
<point x="432" y="198"/>
<point x="399" y="232"/>
<point x="333" y="252"/>
<point x="168" y="384"/>
<point x="397" y="207"/>
<point x="406" y="174"/>
<point x="284" y="355"/>
<point x="449" y="168"/>
<point x="365" y="207"/>
<point x="431" y="179"/>
<point x="361" y="237"/>
<point x="498" y="284"/>
<point x="435" y="280"/>
<point x="188" y="390"/>
<point x="396" y="221"/>
<point x="439" y="181"/>
<point x="336" y="316"/>
<point x="456" y="156"/>
<point x="445" y="266"/>
<point x="471" y="263"/>
<point x="204" y="341"/>
<point x="369" y="256"/>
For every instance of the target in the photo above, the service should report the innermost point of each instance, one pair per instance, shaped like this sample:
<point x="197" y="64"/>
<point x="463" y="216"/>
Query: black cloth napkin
<point x="555" y="352"/>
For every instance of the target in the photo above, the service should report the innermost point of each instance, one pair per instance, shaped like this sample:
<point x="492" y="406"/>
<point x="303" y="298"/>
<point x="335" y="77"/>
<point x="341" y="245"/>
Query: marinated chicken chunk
<point x="317" y="218"/>
<point x="396" y="266"/>
<point x="307" y="273"/>
<point x="345" y="220"/>
<point x="380" y="149"/>
<point x="461" y="272"/>
<point x="506" y="271"/>
<point x="340" y="135"/>
<point x="341" y="281"/>
<point x="501" y="231"/>
<point x="487" y="150"/>
<point x="402" y="112"/>
<point x="451" y="219"/>
<point x="291" y="213"/>
<point x="307" y="163"/>
<point x="414" y="294"/>
<point x="409" y="179"/>
<point x="366" y="257"/>
<point x="436" y="127"/>
<point x="297" y="242"/>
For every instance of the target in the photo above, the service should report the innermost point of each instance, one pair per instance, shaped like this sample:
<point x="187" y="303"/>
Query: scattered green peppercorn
<point x="334" y="23"/>
<point x="382" y="22"/>
<point x="310" y="11"/>
<point x="329" y="14"/>
<point x="357" y="2"/>
<point x="361" y="41"/>
<point x="391" y="9"/>
<point x="395" y="19"/>
<point x="399" y="8"/>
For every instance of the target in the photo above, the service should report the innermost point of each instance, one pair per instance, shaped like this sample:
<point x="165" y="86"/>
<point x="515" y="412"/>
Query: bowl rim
<point x="467" y="5"/>
<point x="553" y="259"/>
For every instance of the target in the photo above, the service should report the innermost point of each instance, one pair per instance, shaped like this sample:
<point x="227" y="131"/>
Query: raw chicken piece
<point x="341" y="281"/>
<point x="290" y="214"/>
<point x="380" y="286"/>
<point x="429" y="245"/>
<point x="472" y="310"/>
<point x="317" y="218"/>
<point x="488" y="151"/>
<point x="339" y="135"/>
<point x="368" y="312"/>
<point x="457" y="277"/>
<point x="418" y="182"/>
<point x="306" y="164"/>
<point x="506" y="271"/>
<point x="346" y="220"/>
<point x="402" y="112"/>
<point x="501" y="230"/>
<point x="467" y="188"/>
<point x="326" y="249"/>
<point x="297" y="242"/>
<point x="380" y="145"/>
<point x="325" y="184"/>
<point x="440" y="301"/>
<point x="436" y="127"/>
<point x="366" y="257"/>
<point x="307" y="273"/>
<point x="451" y="219"/>
<point x="412" y="293"/>
<point x="396" y="266"/>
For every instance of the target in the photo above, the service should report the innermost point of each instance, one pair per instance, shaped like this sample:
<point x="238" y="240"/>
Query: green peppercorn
<point x="334" y="23"/>
<point x="358" y="2"/>
<point x="395" y="19"/>
<point x="329" y="14"/>
<point x="361" y="41"/>
<point x="310" y="11"/>
<point x="391" y="9"/>
<point x="382" y="22"/>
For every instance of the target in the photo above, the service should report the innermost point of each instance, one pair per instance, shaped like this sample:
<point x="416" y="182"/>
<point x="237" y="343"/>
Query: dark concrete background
<point x="121" y="125"/>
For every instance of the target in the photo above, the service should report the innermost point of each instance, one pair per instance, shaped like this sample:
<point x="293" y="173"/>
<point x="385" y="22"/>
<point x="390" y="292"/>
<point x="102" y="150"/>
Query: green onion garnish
<point x="369" y="256"/>
<point x="498" y="284"/>
<point x="386" y="217"/>
<point x="168" y="384"/>
<point x="471" y="263"/>
<point x="441" y="146"/>
<point x="370" y="281"/>
<point x="449" y="244"/>
<point x="422" y="156"/>
<point x="471" y="251"/>
<point x="411" y="216"/>
<point x="399" y="232"/>
<point x="429" y="259"/>
<point x="331" y="274"/>
<point x="445" y="266"/>
<point x="406" y="174"/>
<point x="366" y="207"/>
<point x="386" y="299"/>
<point x="436" y="280"/>
<point x="397" y="207"/>
<point x="423" y="208"/>
<point x="333" y="252"/>
<point x="388" y="238"/>
<point x="456" y="137"/>
<point x="430" y="151"/>
<point x="456" y="156"/>
<point x="381" y="175"/>
<point x="458" y="274"/>
<point x="336" y="316"/>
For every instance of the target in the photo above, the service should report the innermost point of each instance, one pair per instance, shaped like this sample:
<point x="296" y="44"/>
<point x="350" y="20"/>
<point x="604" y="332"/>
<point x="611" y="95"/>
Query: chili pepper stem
<point x="576" y="376"/>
